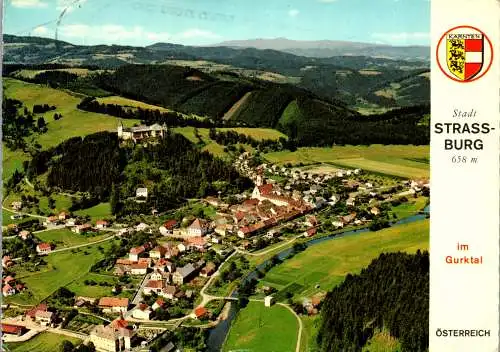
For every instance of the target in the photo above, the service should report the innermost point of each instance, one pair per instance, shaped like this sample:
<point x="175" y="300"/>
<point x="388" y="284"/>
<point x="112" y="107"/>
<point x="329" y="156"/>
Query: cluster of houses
<point x="10" y="285"/>
<point x="163" y="277"/>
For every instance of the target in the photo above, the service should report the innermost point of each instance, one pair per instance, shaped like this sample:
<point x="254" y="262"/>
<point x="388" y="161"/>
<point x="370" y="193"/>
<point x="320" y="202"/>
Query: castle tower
<point x="120" y="129"/>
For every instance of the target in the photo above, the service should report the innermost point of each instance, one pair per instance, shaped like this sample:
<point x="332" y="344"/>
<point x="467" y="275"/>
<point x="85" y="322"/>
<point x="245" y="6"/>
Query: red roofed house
<point x="113" y="304"/>
<point x="139" y="269"/>
<point x="198" y="243"/>
<point x="142" y="311"/>
<point x="13" y="329"/>
<point x="200" y="312"/>
<point x="32" y="312"/>
<point x="311" y="221"/>
<point x="8" y="290"/>
<point x="208" y="270"/>
<point x="155" y="286"/>
<point x="101" y="224"/>
<point x="6" y="261"/>
<point x="82" y="228"/>
<point x="168" y="227"/>
<point x="310" y="232"/>
<point x="43" y="248"/>
<point x="160" y="303"/>
<point x="135" y="253"/>
<point x="52" y="219"/>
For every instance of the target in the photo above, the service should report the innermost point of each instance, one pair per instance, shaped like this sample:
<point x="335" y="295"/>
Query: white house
<point x="142" y="311"/>
<point x="198" y="228"/>
<point x="141" y="192"/>
<point x="268" y="301"/>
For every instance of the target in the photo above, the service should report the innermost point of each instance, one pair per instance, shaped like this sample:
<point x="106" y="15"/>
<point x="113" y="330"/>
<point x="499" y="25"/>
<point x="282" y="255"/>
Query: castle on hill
<point x="141" y="132"/>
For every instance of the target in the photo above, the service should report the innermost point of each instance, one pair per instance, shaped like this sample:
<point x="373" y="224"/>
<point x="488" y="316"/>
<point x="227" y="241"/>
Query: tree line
<point x="230" y="137"/>
<point x="392" y="293"/>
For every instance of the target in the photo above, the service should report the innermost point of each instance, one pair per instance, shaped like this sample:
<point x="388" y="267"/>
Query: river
<point x="218" y="334"/>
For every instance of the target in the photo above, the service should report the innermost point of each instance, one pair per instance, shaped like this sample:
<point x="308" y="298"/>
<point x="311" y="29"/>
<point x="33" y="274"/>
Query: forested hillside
<point x="173" y="169"/>
<point x="391" y="294"/>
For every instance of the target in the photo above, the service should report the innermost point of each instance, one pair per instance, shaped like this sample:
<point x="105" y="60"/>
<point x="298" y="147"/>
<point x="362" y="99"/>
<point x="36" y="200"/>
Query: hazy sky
<point x="199" y="22"/>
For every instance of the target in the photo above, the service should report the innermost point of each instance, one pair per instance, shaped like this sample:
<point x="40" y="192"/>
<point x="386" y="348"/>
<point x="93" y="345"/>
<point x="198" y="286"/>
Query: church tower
<point x="120" y="129"/>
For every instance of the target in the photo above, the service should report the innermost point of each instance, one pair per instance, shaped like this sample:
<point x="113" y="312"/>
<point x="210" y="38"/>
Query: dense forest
<point x="392" y="293"/>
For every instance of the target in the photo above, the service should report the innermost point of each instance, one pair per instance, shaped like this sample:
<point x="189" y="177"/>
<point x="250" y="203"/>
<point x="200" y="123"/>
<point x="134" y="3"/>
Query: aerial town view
<point x="171" y="183"/>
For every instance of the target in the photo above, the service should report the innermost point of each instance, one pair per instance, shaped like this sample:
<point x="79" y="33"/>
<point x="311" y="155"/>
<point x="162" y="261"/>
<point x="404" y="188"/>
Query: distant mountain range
<point x="329" y="48"/>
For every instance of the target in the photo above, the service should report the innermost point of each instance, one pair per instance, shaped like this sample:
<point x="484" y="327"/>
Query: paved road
<point x="138" y="296"/>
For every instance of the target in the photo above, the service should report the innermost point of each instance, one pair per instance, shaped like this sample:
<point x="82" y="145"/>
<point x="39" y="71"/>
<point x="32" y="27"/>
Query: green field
<point x="60" y="130"/>
<point x="12" y="160"/>
<point x="97" y="212"/>
<point x="262" y="329"/>
<point x="43" y="342"/>
<point x="80" y="289"/>
<point x="65" y="238"/>
<point x="409" y="208"/>
<point x="310" y="326"/>
<point x="217" y="149"/>
<point x="7" y="220"/>
<point x="115" y="99"/>
<point x="395" y="160"/>
<point x="63" y="268"/>
<point x="256" y="133"/>
<point x="327" y="263"/>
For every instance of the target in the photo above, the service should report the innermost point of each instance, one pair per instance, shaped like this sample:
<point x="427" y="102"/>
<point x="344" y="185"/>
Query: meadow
<point x="262" y="329"/>
<point x="322" y="266"/>
<point x="118" y="100"/>
<point x="97" y="212"/>
<point x="43" y="342"/>
<point x="62" y="269"/>
<point x="66" y="238"/>
<point x="74" y="122"/>
<point x="395" y="160"/>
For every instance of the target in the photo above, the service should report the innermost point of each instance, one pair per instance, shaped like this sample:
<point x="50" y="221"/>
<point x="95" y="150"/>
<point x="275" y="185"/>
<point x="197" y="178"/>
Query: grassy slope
<point x="58" y="131"/>
<point x="66" y="238"/>
<point x="382" y="342"/>
<point x="397" y="160"/>
<point x="327" y="264"/>
<point x="43" y="342"/>
<point x="263" y="329"/>
<point x="63" y="269"/>
<point x="100" y="211"/>
<point x="130" y="103"/>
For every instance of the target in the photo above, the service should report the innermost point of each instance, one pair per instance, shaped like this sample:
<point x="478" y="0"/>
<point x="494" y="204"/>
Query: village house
<point x="114" y="337"/>
<point x="168" y="227"/>
<point x="183" y="274"/>
<point x="338" y="223"/>
<point x="350" y="202"/>
<point x="224" y="229"/>
<point x="51" y="220"/>
<point x="8" y="290"/>
<point x="182" y="247"/>
<point x="157" y="252"/>
<point x="196" y="243"/>
<point x="375" y="211"/>
<point x="102" y="224"/>
<point x="6" y="261"/>
<point x="169" y="292"/>
<point x="82" y="228"/>
<point x="113" y="304"/>
<point x="198" y="227"/>
<point x="311" y="221"/>
<point x="63" y="216"/>
<point x="139" y="269"/>
<point x="70" y="222"/>
<point x="159" y="303"/>
<point x="17" y="205"/>
<point x="43" y="248"/>
<point x="159" y="275"/>
<point x="200" y="312"/>
<point x="268" y="301"/>
<point x="135" y="253"/>
<point x="44" y="318"/>
<point x="155" y="286"/>
<point x="24" y="235"/>
<point x="142" y="311"/>
<point x="141" y="192"/>
<point x="10" y="329"/>
<point x="164" y="265"/>
<point x="208" y="270"/>
<point x="143" y="227"/>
